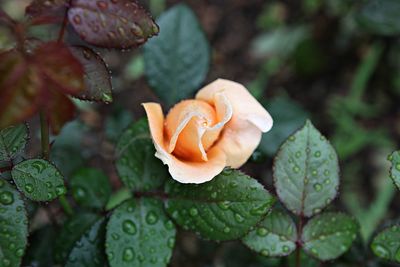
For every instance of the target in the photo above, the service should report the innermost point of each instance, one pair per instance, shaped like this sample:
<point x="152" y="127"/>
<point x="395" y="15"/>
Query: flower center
<point x="187" y="129"/>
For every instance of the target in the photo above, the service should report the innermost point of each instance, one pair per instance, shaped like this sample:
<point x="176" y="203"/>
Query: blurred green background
<point x="336" y="62"/>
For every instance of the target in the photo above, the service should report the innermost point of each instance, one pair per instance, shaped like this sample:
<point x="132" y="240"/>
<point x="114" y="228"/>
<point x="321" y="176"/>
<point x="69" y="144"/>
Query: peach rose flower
<point x="221" y="127"/>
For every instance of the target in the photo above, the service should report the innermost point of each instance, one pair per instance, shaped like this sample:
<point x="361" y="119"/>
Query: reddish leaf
<point x="111" y="23"/>
<point x="58" y="107"/>
<point x="20" y="89"/>
<point x="97" y="78"/>
<point x="46" y="11"/>
<point x="57" y="63"/>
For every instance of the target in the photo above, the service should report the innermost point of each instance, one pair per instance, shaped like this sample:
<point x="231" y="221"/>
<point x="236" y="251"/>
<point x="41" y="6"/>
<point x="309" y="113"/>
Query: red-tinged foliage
<point x="19" y="83"/>
<point x="111" y="23"/>
<point x="46" y="11"/>
<point x="29" y="83"/>
<point x="97" y="78"/>
<point x="59" y="108"/>
<point x="57" y="63"/>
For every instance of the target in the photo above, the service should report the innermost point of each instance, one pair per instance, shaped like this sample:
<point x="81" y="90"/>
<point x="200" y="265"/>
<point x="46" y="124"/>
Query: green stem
<point x="65" y="205"/>
<point x="44" y="133"/>
<point x="45" y="140"/>
<point x="299" y="244"/>
<point x="365" y="70"/>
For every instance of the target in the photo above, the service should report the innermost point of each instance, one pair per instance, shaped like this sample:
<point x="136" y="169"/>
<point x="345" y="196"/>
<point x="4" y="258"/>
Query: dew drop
<point x="128" y="254"/>
<point x="77" y="19"/>
<point x="262" y="231"/>
<point x="227" y="230"/>
<point x="193" y="212"/>
<point x="292" y="138"/>
<point x="398" y="166"/>
<point x="60" y="190"/>
<point x="317" y="187"/>
<point x="317" y="154"/>
<point x="296" y="169"/>
<point x="171" y="242"/>
<point x="381" y="251"/>
<point x="19" y="252"/>
<point x="102" y="5"/>
<point x="151" y="217"/>
<point x="29" y="188"/>
<point x="129" y="227"/>
<point x="264" y="252"/>
<point x="285" y="249"/>
<point x="6" y="198"/>
<point x="239" y="218"/>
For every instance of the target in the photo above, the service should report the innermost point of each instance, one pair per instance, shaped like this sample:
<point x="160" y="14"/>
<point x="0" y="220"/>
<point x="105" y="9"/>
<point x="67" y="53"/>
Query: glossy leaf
<point x="394" y="158"/>
<point x="72" y="231"/>
<point x="14" y="226"/>
<point x="19" y="84"/>
<point x="329" y="235"/>
<point x="68" y="76"/>
<point x="97" y="77"/>
<point x="38" y="179"/>
<point x="288" y="117"/>
<point x="90" y="188"/>
<point x="274" y="236"/>
<point x="12" y="141"/>
<point x="46" y="11"/>
<point x="111" y="23"/>
<point x="380" y="16"/>
<point x="386" y="244"/>
<point x="177" y="61"/>
<point x="306" y="172"/>
<point x="223" y="209"/>
<point x="88" y="251"/>
<point x="136" y="164"/>
<point x="139" y="234"/>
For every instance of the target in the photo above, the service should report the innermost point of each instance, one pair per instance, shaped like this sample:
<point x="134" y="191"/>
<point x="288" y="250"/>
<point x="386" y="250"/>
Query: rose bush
<point x="221" y="127"/>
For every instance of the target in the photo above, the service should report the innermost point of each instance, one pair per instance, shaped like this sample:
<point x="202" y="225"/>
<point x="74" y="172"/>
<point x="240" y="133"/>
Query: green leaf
<point x="139" y="234"/>
<point x="97" y="79"/>
<point x="223" y="209"/>
<point x="41" y="247"/>
<point x="90" y="188"/>
<point x="71" y="232"/>
<point x="306" y="172"/>
<point x="13" y="226"/>
<point x="380" y="16"/>
<point x="275" y="236"/>
<point x="38" y="179"/>
<point x="288" y="116"/>
<point x="136" y="164"/>
<point x="394" y="158"/>
<point x="89" y="249"/>
<point x="329" y="235"/>
<point x="177" y="61"/>
<point x="12" y="141"/>
<point x="386" y="244"/>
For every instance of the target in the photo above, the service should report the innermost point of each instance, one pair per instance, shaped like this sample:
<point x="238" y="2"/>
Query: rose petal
<point x="242" y="134"/>
<point x="182" y="171"/>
